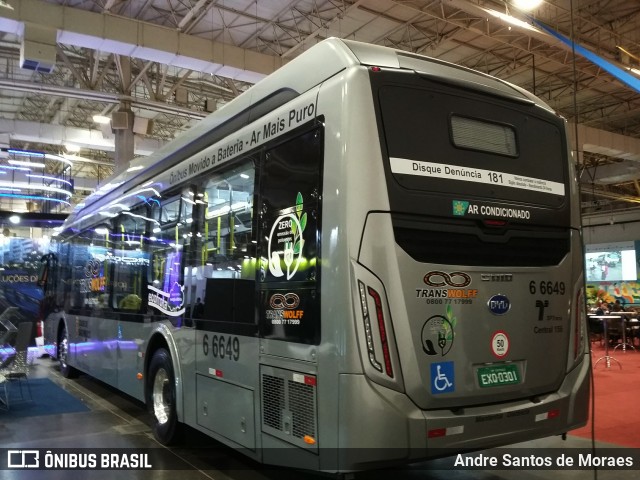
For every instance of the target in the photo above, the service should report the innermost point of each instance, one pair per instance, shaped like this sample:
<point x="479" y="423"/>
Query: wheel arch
<point x="162" y="338"/>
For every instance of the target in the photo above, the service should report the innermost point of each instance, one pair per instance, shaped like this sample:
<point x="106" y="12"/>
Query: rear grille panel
<point x="465" y="244"/>
<point x="289" y="406"/>
<point x="272" y="401"/>
<point x="301" y="404"/>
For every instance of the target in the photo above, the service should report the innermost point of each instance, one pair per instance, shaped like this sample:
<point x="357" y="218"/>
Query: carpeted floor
<point x="617" y="398"/>
<point x="47" y="398"/>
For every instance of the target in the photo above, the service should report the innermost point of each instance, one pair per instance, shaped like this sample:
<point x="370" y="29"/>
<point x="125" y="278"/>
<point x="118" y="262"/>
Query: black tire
<point x="160" y="392"/>
<point x="66" y="370"/>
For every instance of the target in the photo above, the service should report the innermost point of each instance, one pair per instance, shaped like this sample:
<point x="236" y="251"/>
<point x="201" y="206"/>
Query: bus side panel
<point x="345" y="103"/>
<point x="227" y="409"/>
<point x="378" y="426"/>
<point x="223" y="398"/>
<point x="130" y="356"/>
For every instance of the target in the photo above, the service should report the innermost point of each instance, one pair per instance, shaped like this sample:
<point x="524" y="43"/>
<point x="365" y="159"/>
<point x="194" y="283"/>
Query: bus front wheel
<point x="161" y="397"/>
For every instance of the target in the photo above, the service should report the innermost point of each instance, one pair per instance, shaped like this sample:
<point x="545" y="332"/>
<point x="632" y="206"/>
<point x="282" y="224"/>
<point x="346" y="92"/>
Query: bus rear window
<point x="483" y="136"/>
<point x="448" y="140"/>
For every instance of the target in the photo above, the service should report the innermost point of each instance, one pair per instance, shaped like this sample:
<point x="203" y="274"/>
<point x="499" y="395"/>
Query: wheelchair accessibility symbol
<point x="442" y="378"/>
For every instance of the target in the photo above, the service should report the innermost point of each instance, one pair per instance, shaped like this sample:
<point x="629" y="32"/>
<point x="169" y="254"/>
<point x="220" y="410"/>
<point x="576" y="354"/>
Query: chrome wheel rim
<point x="64" y="348"/>
<point x="161" y="396"/>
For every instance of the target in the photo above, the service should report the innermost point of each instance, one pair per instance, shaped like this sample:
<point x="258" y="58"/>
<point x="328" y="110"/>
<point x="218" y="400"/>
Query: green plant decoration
<point x="452" y="320"/>
<point x="302" y="218"/>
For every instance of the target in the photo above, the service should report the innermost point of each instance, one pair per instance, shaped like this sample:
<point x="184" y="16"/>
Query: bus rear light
<point x="444" y="432"/>
<point x="579" y="324"/>
<point x="495" y="223"/>
<point x="216" y="373"/>
<point x="383" y="332"/>
<point x="368" y="332"/>
<point x="548" y="415"/>
<point x="309" y="440"/>
<point x="306" y="379"/>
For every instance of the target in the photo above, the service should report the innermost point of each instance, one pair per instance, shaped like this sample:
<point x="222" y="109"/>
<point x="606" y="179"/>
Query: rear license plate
<point x="498" y="375"/>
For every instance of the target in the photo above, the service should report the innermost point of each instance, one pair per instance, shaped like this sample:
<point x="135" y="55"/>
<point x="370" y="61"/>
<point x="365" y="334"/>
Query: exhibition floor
<point x="95" y="416"/>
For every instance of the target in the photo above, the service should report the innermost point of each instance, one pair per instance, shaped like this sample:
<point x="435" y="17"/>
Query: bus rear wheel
<point x="66" y="370"/>
<point x="161" y="397"/>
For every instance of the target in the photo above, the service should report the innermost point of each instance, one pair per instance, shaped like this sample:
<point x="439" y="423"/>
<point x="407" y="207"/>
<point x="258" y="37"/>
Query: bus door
<point x="223" y="307"/>
<point x="130" y="267"/>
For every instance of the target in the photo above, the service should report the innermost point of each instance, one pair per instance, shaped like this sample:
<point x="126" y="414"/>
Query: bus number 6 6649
<point x="221" y="347"/>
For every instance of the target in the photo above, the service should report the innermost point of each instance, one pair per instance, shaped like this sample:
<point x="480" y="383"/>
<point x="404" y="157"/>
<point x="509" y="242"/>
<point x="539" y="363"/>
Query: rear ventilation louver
<point x="289" y="405"/>
<point x="272" y="401"/>
<point x="302" y="406"/>
<point x="522" y="249"/>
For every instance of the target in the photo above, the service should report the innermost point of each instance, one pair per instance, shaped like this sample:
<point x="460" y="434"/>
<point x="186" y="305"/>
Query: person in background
<point x="198" y="309"/>
<point x="617" y="307"/>
<point x="603" y="308"/>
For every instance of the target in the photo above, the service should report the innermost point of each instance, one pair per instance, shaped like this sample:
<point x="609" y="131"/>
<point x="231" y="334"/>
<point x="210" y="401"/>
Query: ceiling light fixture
<point x="20" y="163"/>
<point x="101" y="119"/>
<point x="526" y="5"/>
<point x="25" y="153"/>
<point x="509" y="19"/>
<point x="627" y="52"/>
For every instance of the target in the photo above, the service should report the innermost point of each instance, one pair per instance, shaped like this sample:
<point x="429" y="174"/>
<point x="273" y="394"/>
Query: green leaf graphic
<point x="299" y="204"/>
<point x="303" y="222"/>
<point x="296" y="248"/>
<point x="452" y="321"/>
<point x="294" y="227"/>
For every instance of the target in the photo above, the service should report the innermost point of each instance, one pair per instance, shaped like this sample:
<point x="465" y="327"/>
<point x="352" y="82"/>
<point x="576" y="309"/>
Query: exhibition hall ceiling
<point x="173" y="61"/>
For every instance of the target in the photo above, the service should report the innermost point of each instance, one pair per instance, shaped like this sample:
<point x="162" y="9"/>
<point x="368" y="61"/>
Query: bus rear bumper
<point x="487" y="426"/>
<point x="395" y="431"/>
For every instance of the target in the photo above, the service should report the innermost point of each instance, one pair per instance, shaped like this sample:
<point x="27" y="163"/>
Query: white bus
<point x="370" y="257"/>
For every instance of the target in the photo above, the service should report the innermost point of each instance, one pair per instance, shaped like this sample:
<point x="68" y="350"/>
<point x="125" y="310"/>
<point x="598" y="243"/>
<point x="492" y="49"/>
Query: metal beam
<point x="134" y="38"/>
<point x="57" y="135"/>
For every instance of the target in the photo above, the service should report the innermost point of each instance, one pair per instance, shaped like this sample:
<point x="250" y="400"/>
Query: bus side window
<point x="227" y="252"/>
<point x="88" y="257"/>
<point x="130" y="263"/>
<point x="170" y="237"/>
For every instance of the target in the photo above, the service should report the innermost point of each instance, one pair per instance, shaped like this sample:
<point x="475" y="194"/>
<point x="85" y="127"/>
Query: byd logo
<point x="441" y="279"/>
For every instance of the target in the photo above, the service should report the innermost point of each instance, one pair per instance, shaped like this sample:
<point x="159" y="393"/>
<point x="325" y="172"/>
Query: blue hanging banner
<point x="617" y="72"/>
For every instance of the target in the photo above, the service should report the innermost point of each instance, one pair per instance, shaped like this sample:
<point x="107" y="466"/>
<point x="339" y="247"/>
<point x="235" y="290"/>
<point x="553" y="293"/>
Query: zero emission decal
<point x="438" y="333"/>
<point x="477" y="175"/>
<point x="285" y="242"/>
